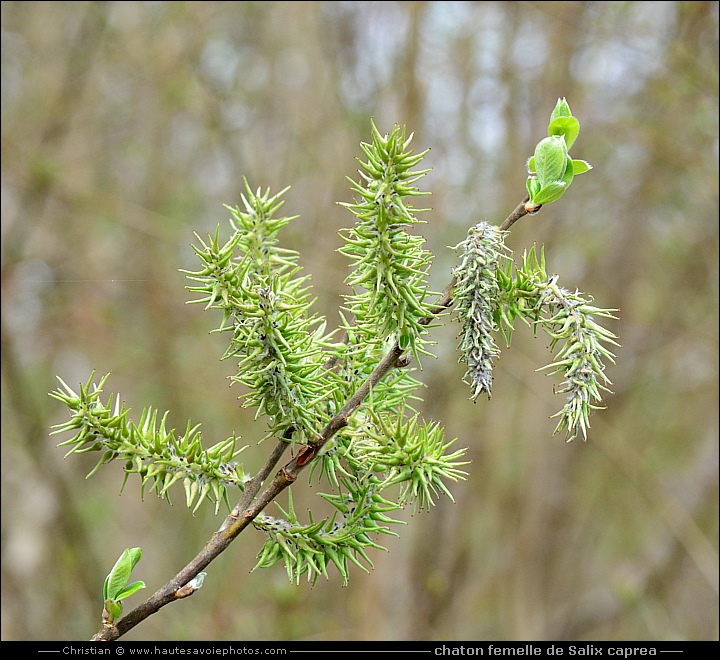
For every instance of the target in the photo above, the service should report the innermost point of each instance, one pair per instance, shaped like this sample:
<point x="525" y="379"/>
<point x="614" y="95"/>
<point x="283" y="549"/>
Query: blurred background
<point x="127" y="125"/>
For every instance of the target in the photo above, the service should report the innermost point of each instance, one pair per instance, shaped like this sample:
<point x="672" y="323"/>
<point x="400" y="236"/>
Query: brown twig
<point x="520" y="210"/>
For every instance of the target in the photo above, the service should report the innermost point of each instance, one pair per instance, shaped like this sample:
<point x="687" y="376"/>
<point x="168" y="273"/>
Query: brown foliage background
<point x="127" y="125"/>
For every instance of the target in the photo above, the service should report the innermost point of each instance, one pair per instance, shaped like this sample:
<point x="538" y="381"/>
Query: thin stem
<point x="250" y="506"/>
<point x="520" y="210"/>
<point x="253" y="486"/>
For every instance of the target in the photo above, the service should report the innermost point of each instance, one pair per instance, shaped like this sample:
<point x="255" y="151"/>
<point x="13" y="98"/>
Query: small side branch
<point x="520" y="210"/>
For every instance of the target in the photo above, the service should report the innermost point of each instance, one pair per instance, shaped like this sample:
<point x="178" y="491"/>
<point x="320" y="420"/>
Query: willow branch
<point x="250" y="506"/>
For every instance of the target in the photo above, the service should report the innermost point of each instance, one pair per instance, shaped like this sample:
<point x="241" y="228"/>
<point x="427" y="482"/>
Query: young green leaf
<point x="580" y="166"/>
<point x="114" y="589"/>
<point x="562" y="109"/>
<point x="113" y="609"/>
<point x="533" y="187"/>
<point x="549" y="193"/>
<point x="120" y="573"/>
<point x="130" y="590"/>
<point x="568" y="127"/>
<point x="550" y="159"/>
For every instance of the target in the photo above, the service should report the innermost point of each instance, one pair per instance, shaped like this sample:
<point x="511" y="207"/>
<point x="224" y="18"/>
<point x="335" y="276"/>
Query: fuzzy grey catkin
<point x="476" y="302"/>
